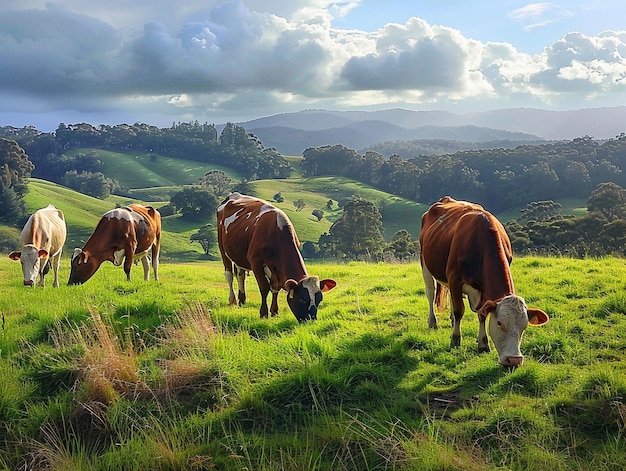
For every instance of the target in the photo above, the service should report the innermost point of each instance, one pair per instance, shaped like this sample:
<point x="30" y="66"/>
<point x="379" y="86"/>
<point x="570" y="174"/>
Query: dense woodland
<point x="526" y="176"/>
<point x="498" y="178"/>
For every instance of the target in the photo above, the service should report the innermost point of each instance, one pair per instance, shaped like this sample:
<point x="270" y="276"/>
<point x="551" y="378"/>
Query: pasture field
<point x="167" y="376"/>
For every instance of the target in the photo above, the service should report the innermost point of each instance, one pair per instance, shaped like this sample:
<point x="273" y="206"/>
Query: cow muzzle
<point x="29" y="283"/>
<point x="512" y="361"/>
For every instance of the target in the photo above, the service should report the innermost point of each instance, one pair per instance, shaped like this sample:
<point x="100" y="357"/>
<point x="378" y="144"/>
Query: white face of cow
<point x="506" y="326"/>
<point x="304" y="297"/>
<point x="30" y="258"/>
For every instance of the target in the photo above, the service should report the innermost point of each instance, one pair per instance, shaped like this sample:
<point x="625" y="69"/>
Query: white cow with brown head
<point x="42" y="241"/>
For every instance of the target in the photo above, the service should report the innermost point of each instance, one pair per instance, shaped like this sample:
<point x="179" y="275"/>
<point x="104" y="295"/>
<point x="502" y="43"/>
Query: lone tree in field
<point x="217" y="182"/>
<point x="194" y="203"/>
<point x="299" y="204"/>
<point x="357" y="234"/>
<point x="318" y="213"/>
<point x="205" y="237"/>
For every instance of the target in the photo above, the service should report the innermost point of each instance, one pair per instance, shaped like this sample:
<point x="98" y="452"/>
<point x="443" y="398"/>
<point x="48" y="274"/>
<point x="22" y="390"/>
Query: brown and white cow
<point x="42" y="242"/>
<point x="254" y="235"/>
<point x="122" y="235"/>
<point x="466" y="249"/>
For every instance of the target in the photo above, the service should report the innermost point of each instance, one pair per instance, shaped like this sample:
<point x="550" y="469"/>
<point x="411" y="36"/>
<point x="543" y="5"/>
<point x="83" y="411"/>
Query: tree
<point x="216" y="182"/>
<point x="357" y="234"/>
<point x="318" y="213"/>
<point x="308" y="249"/>
<point x="194" y="203"/>
<point x="608" y="199"/>
<point x="88" y="183"/>
<point x="299" y="204"/>
<point x="205" y="237"/>
<point x="402" y="246"/>
<point x="244" y="187"/>
<point x="15" y="168"/>
<point x="540" y="211"/>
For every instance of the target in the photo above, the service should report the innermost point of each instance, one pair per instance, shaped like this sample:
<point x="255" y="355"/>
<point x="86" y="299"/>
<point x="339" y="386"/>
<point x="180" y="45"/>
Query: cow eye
<point x="499" y="324"/>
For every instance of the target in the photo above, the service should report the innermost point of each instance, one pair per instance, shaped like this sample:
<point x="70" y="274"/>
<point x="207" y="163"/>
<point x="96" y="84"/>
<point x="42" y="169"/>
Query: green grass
<point x="133" y="375"/>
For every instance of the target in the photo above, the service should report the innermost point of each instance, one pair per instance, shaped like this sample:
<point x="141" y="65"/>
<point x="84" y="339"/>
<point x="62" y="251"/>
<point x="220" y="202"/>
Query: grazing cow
<point x="42" y="242"/>
<point x="254" y="235"/>
<point x="467" y="250"/>
<point x="123" y="234"/>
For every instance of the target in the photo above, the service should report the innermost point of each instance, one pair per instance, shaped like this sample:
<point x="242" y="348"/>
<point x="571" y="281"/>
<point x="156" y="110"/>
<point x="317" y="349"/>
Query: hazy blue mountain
<point x="292" y="133"/>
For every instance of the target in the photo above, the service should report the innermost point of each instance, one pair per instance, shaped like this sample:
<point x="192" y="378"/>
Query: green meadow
<point x="167" y="376"/>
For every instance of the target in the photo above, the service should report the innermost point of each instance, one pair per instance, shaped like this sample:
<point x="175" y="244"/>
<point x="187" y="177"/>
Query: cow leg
<point x="241" y="284"/>
<point x="483" y="342"/>
<point x="228" y="274"/>
<point x="155" y="262"/>
<point x="429" y="283"/>
<point x="274" y="307"/>
<point x="264" y="288"/>
<point x="145" y="262"/>
<point x="458" y="308"/>
<point x="45" y="268"/>
<point x="128" y="261"/>
<point x="56" y="263"/>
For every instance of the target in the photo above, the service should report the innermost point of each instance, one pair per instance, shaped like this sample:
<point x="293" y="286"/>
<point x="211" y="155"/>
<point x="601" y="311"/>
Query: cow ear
<point x="537" y="317"/>
<point x="488" y="307"/>
<point x="43" y="253"/>
<point x="290" y="285"/>
<point x="15" y="255"/>
<point x="327" y="285"/>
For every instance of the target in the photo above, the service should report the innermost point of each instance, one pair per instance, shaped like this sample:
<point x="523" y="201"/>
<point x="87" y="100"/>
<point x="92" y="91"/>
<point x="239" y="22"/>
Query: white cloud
<point x="210" y="57"/>
<point x="535" y="15"/>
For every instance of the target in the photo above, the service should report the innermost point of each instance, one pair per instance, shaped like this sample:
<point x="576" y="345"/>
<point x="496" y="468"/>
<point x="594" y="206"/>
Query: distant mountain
<point x="292" y="133"/>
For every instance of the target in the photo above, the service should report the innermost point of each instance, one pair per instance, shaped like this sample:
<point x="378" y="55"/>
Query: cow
<point x="122" y="235"/>
<point x="465" y="250"/>
<point x="254" y="235"/>
<point x="42" y="240"/>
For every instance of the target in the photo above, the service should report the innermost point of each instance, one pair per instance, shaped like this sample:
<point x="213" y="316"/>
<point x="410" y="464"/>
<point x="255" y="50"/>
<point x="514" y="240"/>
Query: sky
<point x="159" y="61"/>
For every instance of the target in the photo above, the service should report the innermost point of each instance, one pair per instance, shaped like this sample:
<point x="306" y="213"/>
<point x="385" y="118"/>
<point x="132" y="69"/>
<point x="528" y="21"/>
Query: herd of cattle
<point x="465" y="251"/>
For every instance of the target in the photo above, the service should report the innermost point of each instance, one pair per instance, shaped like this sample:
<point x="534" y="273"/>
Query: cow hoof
<point x="455" y="341"/>
<point x="484" y="349"/>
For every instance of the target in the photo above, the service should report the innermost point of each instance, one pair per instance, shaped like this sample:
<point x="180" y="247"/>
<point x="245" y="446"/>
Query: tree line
<point x="498" y="178"/>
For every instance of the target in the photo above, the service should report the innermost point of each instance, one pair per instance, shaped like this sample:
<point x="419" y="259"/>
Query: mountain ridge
<point x="292" y="133"/>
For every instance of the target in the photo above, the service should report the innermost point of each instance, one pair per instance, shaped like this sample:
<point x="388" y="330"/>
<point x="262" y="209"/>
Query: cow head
<point x="30" y="258"/>
<point x="509" y="318"/>
<point x="82" y="267"/>
<point x="304" y="296"/>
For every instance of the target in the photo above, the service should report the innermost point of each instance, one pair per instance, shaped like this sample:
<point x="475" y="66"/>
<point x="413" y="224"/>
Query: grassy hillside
<point x="147" y="170"/>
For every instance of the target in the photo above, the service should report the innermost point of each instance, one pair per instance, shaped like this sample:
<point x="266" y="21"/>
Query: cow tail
<point x="441" y="297"/>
